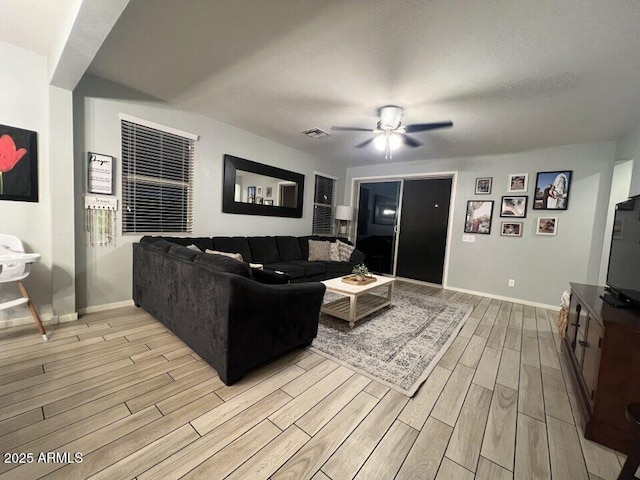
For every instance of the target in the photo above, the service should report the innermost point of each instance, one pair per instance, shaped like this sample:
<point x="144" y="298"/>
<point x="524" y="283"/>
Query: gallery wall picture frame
<point x="552" y="190"/>
<point x="514" y="206"/>
<point x="100" y="173"/>
<point x="259" y="191"/>
<point x="483" y="185"/>
<point x="511" y="229"/>
<point x="517" y="182"/>
<point x="268" y="192"/>
<point x="478" y="217"/>
<point x="547" y="226"/>
<point x="18" y="164"/>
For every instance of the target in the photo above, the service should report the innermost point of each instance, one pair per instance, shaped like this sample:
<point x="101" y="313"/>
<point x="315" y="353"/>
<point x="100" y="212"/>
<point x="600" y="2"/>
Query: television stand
<point x="614" y="301"/>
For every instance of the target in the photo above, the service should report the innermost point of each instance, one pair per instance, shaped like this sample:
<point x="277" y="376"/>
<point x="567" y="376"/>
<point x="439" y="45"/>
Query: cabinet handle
<point x="575" y="324"/>
<point x="583" y="343"/>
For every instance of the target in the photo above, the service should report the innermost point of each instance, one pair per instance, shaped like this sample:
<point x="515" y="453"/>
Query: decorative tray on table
<point x="351" y="280"/>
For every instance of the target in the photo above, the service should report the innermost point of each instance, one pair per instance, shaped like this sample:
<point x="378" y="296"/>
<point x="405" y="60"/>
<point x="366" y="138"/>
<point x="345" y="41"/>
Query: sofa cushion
<point x="263" y="249"/>
<point x="294" y="271"/>
<point x="339" y="268"/>
<point x="201" y="242"/>
<point x="319" y="250"/>
<point x="156" y="243"/>
<point x="310" y="268"/>
<point x="182" y="252"/>
<point x="334" y="251"/>
<point x="221" y="263"/>
<point x="233" y="245"/>
<point x="304" y="242"/>
<point x="288" y="248"/>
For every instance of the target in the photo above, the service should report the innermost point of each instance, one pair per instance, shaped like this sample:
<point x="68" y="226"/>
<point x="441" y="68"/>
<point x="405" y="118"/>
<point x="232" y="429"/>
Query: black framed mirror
<point x="252" y="188"/>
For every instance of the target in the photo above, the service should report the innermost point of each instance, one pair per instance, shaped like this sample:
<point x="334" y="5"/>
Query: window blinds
<point x="324" y="206"/>
<point x="157" y="180"/>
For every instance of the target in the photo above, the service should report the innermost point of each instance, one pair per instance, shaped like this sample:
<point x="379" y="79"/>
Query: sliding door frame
<point x="453" y="175"/>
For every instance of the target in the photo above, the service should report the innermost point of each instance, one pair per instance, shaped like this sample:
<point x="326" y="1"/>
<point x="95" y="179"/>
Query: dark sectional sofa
<point x="281" y="253"/>
<point x="231" y="315"/>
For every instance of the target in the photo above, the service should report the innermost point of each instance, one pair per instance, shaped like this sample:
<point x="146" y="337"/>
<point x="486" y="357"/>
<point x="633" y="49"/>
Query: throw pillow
<point x="334" y="252"/>
<point x="237" y="256"/>
<point x="319" y="250"/>
<point x="345" y="251"/>
<point x="257" y="266"/>
<point x="193" y="247"/>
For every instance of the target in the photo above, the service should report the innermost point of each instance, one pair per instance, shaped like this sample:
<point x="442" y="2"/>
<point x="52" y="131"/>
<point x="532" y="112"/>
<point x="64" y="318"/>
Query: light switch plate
<point x="469" y="238"/>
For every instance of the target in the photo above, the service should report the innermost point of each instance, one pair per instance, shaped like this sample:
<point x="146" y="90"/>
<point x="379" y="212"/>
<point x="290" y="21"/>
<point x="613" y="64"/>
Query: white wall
<point x="103" y="274"/>
<point x="24" y="104"/>
<point x="541" y="266"/>
<point x="628" y="148"/>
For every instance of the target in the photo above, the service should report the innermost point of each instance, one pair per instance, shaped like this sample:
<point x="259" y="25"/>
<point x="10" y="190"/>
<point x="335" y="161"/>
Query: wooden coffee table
<point x="357" y="302"/>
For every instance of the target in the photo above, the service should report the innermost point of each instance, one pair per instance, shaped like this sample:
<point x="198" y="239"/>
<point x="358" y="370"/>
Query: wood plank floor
<point x="121" y="390"/>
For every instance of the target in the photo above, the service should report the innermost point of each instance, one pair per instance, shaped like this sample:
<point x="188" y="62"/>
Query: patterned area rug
<point x="397" y="346"/>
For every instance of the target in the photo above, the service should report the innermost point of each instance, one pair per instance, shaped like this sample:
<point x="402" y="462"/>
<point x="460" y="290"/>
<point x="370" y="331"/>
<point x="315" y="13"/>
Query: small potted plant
<point x="360" y="272"/>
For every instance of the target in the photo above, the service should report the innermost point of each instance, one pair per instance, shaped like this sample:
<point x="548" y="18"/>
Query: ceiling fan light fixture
<point x="394" y="141"/>
<point x="380" y="142"/>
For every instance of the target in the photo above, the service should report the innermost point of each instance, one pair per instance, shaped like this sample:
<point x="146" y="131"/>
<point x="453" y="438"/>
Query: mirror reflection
<point x="264" y="190"/>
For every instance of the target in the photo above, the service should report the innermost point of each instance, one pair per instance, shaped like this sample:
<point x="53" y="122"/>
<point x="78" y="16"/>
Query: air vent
<point x="315" y="133"/>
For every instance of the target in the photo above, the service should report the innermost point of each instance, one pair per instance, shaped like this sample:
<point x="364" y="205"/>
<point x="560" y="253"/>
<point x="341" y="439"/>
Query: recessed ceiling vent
<point x="315" y="133"/>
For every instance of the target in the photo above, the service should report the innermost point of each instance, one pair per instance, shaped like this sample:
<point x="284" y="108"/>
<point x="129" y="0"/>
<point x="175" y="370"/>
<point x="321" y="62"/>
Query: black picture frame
<point x="100" y="173"/>
<point x="511" y="229"/>
<point x="382" y="205"/>
<point x="229" y="205"/>
<point x="558" y="181"/>
<point x="512" y="206"/>
<point x="18" y="164"/>
<point x="477" y="220"/>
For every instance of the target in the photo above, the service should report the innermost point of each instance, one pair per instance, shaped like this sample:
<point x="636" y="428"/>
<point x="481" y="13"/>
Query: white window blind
<point x="157" y="180"/>
<point x="324" y="202"/>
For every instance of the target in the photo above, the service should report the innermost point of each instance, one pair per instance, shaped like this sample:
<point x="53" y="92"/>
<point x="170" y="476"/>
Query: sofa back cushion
<point x="224" y="264"/>
<point x="264" y="250"/>
<point x="156" y="243"/>
<point x="182" y="252"/>
<point x="233" y="245"/>
<point x="289" y="249"/>
<point x="201" y="242"/>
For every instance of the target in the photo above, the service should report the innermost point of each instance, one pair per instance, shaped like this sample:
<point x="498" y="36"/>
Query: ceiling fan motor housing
<point x="390" y="117"/>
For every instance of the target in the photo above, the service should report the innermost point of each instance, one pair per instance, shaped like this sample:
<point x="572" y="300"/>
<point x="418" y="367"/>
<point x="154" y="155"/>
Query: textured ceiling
<point x="511" y="74"/>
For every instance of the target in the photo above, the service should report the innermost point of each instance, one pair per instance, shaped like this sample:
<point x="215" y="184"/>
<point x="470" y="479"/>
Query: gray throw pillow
<point x="345" y="251"/>
<point x="319" y="251"/>
<point x="334" y="252"/>
<point x="236" y="256"/>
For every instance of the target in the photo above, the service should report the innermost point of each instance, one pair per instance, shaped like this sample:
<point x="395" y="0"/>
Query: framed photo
<point x="552" y="190"/>
<point x="483" y="185"/>
<point x="251" y="194"/>
<point x="259" y="200"/>
<point x="268" y="192"/>
<point x="385" y="209"/>
<point x="100" y="174"/>
<point x="547" y="226"/>
<point x="259" y="191"/>
<point x="18" y="164"/>
<point x="511" y="229"/>
<point x="478" y="217"/>
<point x="515" y="206"/>
<point x="268" y="202"/>
<point x="517" y="182"/>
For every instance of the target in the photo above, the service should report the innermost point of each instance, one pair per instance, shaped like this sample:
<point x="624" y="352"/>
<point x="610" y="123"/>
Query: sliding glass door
<point x="377" y="217"/>
<point x="402" y="226"/>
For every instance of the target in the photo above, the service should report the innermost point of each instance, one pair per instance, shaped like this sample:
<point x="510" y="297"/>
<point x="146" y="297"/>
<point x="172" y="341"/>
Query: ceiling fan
<point x="390" y="133"/>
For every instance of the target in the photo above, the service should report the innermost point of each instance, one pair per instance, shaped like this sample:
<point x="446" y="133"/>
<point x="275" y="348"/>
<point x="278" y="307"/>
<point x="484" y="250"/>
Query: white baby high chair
<point x="15" y="266"/>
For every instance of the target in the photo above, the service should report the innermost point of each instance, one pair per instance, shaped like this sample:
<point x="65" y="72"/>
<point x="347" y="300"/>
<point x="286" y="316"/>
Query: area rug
<point x="397" y="346"/>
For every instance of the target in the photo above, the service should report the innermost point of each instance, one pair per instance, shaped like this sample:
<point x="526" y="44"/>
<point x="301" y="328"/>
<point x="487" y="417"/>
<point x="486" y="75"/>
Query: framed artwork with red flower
<point x="18" y="164"/>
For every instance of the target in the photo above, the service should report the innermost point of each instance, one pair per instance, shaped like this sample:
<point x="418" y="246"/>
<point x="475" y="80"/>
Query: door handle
<point x="583" y="343"/>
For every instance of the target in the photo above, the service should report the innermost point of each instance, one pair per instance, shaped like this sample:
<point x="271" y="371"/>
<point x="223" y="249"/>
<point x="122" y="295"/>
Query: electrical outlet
<point x="512" y="282"/>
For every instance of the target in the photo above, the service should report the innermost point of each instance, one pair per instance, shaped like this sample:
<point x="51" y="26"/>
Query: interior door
<point x="377" y="216"/>
<point x="423" y="229"/>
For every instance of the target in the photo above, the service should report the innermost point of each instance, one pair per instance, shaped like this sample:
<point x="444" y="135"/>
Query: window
<point x="157" y="178"/>
<point x="324" y="202"/>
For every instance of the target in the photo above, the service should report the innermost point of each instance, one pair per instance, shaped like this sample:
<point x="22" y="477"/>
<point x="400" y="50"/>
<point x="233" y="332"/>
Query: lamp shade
<point x="344" y="212"/>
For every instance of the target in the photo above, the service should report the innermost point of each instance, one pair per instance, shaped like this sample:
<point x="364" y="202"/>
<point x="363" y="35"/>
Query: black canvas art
<point x="18" y="164"/>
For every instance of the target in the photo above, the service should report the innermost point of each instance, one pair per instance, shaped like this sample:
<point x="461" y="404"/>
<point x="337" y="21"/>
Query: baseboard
<point x="16" y="322"/>
<point x="106" y="306"/>
<point x="506" y="299"/>
<point x="69" y="317"/>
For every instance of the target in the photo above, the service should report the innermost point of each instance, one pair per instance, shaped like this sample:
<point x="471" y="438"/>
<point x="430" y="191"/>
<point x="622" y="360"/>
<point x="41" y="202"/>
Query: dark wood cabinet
<point x="603" y="347"/>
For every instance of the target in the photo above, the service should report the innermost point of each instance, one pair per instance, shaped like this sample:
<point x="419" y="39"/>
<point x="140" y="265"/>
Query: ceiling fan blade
<point x="365" y="143"/>
<point x="351" y="129"/>
<point x="410" y="141"/>
<point x="421" y="127"/>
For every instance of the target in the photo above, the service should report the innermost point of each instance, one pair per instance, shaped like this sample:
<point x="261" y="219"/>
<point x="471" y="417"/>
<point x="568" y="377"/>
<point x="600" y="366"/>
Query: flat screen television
<point x="623" y="275"/>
